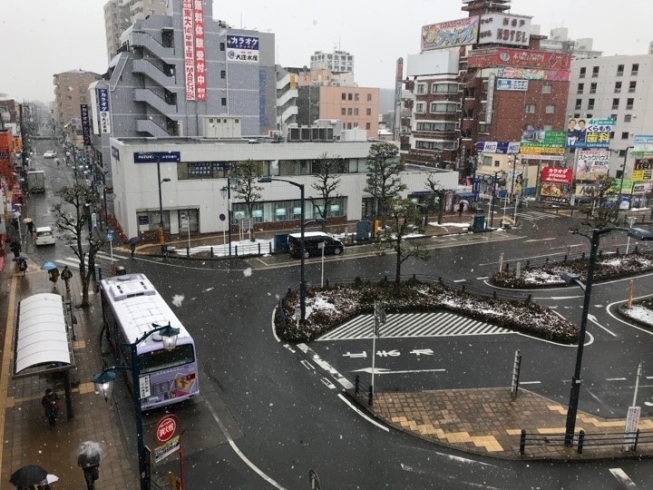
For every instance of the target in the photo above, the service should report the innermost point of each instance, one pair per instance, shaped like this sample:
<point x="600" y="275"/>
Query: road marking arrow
<point x="592" y="319"/>
<point x="406" y="371"/>
<point x="360" y="355"/>
<point x="422" y="352"/>
<point x="388" y="353"/>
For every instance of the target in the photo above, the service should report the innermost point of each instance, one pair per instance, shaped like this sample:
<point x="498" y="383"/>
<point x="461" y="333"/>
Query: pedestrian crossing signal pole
<point x="379" y="319"/>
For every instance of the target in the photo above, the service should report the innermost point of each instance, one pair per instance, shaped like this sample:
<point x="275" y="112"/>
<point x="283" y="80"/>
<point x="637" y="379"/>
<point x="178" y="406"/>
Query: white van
<point x="44" y="236"/>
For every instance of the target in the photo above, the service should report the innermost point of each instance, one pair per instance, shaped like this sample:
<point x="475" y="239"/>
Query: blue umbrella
<point x="48" y="266"/>
<point x="133" y="240"/>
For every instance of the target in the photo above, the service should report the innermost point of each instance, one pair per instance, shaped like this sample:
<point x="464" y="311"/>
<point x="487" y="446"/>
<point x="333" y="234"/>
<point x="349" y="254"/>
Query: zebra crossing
<point x="102" y="259"/>
<point x="535" y="216"/>
<point x="414" y="325"/>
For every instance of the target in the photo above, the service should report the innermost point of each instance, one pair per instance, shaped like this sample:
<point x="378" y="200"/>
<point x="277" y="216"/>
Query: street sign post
<point x="165" y="429"/>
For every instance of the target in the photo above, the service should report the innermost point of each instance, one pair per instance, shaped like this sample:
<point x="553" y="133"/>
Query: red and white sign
<point x="200" y="60"/>
<point x="189" y="48"/>
<point x="511" y="30"/>
<point x="557" y="174"/>
<point x="165" y="429"/>
<point x="527" y="58"/>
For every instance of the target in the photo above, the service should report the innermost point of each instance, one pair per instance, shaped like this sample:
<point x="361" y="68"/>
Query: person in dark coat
<point x="14" y="246"/>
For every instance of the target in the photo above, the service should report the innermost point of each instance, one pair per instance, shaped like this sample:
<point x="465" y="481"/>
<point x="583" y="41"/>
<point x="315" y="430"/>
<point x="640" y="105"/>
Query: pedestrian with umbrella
<point x="28" y="476"/>
<point x="132" y="244"/>
<point x="53" y="272"/>
<point x="30" y="225"/>
<point x="89" y="455"/>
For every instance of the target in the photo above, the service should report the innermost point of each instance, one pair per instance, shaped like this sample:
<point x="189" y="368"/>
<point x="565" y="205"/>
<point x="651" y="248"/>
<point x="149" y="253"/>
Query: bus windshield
<point x="160" y="360"/>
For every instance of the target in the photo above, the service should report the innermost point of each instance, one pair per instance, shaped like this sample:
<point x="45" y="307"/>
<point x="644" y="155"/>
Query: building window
<point x="546" y="88"/>
<point x="577" y="115"/>
<point x="343" y="112"/>
<point x="497" y="163"/>
<point x="444" y="88"/>
<point x="627" y="117"/>
<point x="593" y="88"/>
<point x="357" y="96"/>
<point x="550" y="109"/>
<point x="622" y="153"/>
<point x="530" y="108"/>
<point x="368" y="112"/>
<point x="221" y="46"/>
<point x="419" y="107"/>
<point x="615" y="104"/>
<point x="620" y="70"/>
<point x="348" y="125"/>
<point x="581" y="87"/>
<point x="595" y="72"/>
<point x="635" y="69"/>
<point x="632" y="86"/>
<point x="624" y="135"/>
<point x="613" y="117"/>
<point x="368" y="125"/>
<point x="355" y="111"/>
<point x="589" y="116"/>
<point x="349" y="111"/>
<point x="224" y="101"/>
<point x="350" y="96"/>
<point x="421" y="89"/>
<point x="579" y="104"/>
<point x="630" y="103"/>
<point x="617" y="87"/>
<point x="223" y="74"/>
<point x="590" y="104"/>
<point x="369" y="97"/>
<point x="582" y="72"/>
<point x="445" y="108"/>
<point x="344" y="96"/>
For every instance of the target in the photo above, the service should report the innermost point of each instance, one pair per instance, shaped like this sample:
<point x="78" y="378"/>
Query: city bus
<point x="130" y="307"/>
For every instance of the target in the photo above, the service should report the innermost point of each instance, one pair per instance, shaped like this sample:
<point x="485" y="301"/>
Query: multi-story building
<point x="336" y="62"/>
<point x="70" y="92"/>
<point x="120" y="14"/>
<point x="482" y="78"/>
<point x="558" y="40"/>
<point x="156" y="88"/>
<point x="616" y="87"/>
<point x="287" y="94"/>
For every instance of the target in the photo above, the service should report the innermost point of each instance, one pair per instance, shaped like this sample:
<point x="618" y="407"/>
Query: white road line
<point x="366" y="417"/>
<point x="460" y="280"/>
<point x="616" y="379"/>
<point x="274" y="331"/>
<point x="530" y="382"/>
<point x="482" y="278"/>
<point x="622" y="477"/>
<point x="307" y="365"/>
<point x="649" y="377"/>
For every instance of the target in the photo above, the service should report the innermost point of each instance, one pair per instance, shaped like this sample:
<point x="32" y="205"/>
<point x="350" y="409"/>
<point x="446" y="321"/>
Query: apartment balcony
<point x="289" y="112"/>
<point x="287" y="96"/>
<point x="144" y="40"/>
<point x="144" y="67"/>
<point x="149" y="126"/>
<point x="150" y="98"/>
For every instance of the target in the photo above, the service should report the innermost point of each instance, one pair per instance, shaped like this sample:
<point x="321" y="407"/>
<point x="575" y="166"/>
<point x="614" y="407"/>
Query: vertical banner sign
<point x="86" y="124"/>
<point x="105" y="115"/>
<point x="189" y="48"/>
<point x="200" y="60"/>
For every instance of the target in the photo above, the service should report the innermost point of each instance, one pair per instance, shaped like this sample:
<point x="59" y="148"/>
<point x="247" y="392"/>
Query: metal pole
<point x="106" y="210"/>
<point x="229" y="210"/>
<point x="639" y="375"/>
<point x="574" y="396"/>
<point x="374" y="334"/>
<point x="494" y="192"/>
<point x="623" y="174"/>
<point x="302" y="284"/>
<point x="162" y="239"/>
<point x="322" y="275"/>
<point x="136" y="391"/>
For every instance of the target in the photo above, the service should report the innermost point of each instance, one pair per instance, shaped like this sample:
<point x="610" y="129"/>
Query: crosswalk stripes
<point x="101" y="259"/>
<point x="535" y="215"/>
<point x="414" y="325"/>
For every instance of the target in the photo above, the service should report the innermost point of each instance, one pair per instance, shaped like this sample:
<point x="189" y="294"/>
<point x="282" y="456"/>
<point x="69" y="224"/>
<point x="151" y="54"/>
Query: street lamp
<point x="495" y="182"/>
<point x="104" y="385"/>
<point x="302" y="281"/>
<point x="623" y="174"/>
<point x="162" y="236"/>
<point x="574" y="396"/>
<point x="226" y="192"/>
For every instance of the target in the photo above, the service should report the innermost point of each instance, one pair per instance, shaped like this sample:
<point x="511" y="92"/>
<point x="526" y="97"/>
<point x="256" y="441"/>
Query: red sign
<point x="200" y="60"/>
<point x="189" y="48"/>
<point x="165" y="429"/>
<point x="557" y="174"/>
<point x="528" y="58"/>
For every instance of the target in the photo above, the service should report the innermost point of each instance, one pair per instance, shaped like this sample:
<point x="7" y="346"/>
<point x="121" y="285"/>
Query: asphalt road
<point x="267" y="415"/>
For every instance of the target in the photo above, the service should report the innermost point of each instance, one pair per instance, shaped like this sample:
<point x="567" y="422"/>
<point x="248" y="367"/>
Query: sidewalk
<point x="23" y="428"/>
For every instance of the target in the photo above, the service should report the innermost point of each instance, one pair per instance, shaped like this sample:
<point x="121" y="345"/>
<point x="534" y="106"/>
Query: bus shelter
<point x="43" y="340"/>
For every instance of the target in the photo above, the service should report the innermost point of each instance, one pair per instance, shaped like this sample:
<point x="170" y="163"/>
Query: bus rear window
<point x="160" y="360"/>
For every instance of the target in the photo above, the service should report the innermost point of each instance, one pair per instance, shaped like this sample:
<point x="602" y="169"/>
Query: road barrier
<point x="582" y="440"/>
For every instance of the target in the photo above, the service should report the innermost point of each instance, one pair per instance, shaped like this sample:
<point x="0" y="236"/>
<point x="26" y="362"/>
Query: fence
<point x="362" y="389"/>
<point x="583" y="440"/>
<point x="257" y="248"/>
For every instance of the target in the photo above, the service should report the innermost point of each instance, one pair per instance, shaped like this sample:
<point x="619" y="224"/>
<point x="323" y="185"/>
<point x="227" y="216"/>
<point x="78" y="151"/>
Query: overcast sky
<point x="43" y="37"/>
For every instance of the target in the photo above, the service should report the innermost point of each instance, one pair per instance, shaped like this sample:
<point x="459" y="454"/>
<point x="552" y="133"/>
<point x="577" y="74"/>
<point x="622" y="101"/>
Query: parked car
<point x="312" y="240"/>
<point x="50" y="154"/>
<point x="640" y="233"/>
<point x="44" y="236"/>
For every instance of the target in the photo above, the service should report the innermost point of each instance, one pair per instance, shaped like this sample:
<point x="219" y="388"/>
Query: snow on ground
<point x="450" y="225"/>
<point x="640" y="313"/>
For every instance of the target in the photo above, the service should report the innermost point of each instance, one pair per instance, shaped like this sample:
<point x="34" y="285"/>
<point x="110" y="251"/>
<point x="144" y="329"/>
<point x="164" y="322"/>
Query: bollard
<point x="370" y="399"/>
<point x="327" y="282"/>
<point x="494" y="294"/>
<point x="528" y="298"/>
<point x="564" y="259"/>
<point x="211" y="252"/>
<point x="236" y="250"/>
<point x="616" y="251"/>
<point x="187" y="252"/>
<point x="582" y="256"/>
<point x="259" y="248"/>
<point x="636" y="440"/>
<point x="357" y="383"/>
<point x="581" y="441"/>
<point x="546" y="261"/>
<point x="522" y="442"/>
<point x="463" y="288"/>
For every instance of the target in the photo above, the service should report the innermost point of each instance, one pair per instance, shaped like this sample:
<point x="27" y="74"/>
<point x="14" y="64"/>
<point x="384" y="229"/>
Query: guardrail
<point x="583" y="440"/>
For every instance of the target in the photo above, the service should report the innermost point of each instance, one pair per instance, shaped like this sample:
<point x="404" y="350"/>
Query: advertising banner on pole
<point x="200" y="59"/>
<point x="86" y="124"/>
<point x="592" y="164"/>
<point x="189" y="47"/>
<point x="105" y="114"/>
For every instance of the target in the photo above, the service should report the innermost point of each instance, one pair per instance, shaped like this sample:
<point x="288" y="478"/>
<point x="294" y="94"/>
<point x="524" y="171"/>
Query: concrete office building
<point x="337" y="62"/>
<point x="120" y="14"/>
<point x="156" y="88"/>
<point x="617" y="87"/>
<point x="198" y="170"/>
<point x="70" y="91"/>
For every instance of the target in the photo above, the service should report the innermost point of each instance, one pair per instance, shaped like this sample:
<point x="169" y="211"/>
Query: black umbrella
<point x="28" y="475"/>
<point x="133" y="240"/>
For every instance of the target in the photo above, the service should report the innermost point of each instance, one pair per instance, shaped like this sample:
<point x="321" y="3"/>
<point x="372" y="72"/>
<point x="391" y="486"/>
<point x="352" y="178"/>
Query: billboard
<point x="592" y="164"/>
<point x="86" y="124"/>
<point x="642" y="146"/>
<point x="557" y="174"/>
<point x="450" y="34"/>
<point x="105" y="114"/>
<point x="526" y="58"/>
<point x="589" y="133"/>
<point x="539" y="142"/>
<point x="243" y="49"/>
<point x="514" y="84"/>
<point x="200" y="59"/>
<point x="501" y="147"/>
<point x="534" y="74"/>
<point x="513" y="30"/>
<point x="189" y="47"/>
<point x="643" y="170"/>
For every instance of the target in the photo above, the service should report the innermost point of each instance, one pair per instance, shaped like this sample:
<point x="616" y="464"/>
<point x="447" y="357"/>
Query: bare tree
<point x="402" y="218"/>
<point x="325" y="173"/>
<point x="247" y="174"/>
<point x="434" y="185"/>
<point x="383" y="174"/>
<point x="600" y="207"/>
<point x="73" y="215"/>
